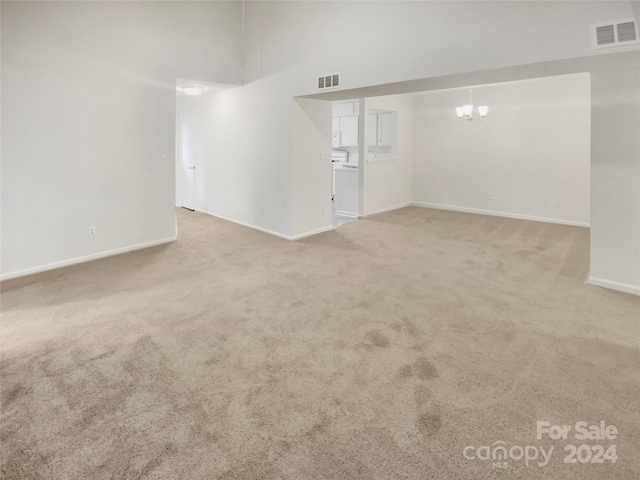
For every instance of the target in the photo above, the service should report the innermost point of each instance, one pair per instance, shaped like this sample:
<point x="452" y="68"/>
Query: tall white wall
<point x="89" y="103"/>
<point x="262" y="173"/>
<point x="288" y="44"/>
<point x="615" y="178"/>
<point x="241" y="170"/>
<point x="311" y="173"/>
<point x="88" y="112"/>
<point x="635" y="4"/>
<point x="531" y="153"/>
<point x="387" y="184"/>
<point x="372" y="43"/>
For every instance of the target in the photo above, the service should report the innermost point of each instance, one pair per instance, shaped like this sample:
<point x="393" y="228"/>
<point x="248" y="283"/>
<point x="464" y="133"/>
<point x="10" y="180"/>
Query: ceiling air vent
<point x="614" y="34"/>
<point x="329" y="81"/>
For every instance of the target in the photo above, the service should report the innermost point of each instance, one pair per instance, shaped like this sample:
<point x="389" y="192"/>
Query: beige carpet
<point x="380" y="350"/>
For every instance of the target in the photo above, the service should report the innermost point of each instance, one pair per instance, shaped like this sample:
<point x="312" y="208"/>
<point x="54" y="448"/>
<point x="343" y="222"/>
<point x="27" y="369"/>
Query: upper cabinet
<point x="386" y="129"/>
<point x="349" y="131"/>
<point x="381" y="129"/>
<point x="344" y="131"/>
<point x="335" y="132"/>
<point x="382" y="132"/>
<point x="346" y="108"/>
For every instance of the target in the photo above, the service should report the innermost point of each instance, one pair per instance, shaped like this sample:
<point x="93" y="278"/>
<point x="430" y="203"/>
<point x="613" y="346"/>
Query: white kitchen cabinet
<point x="372" y="130"/>
<point x="385" y="129"/>
<point x="346" y="108"/>
<point x="344" y="131"/>
<point x="335" y="124"/>
<point x="335" y="132"/>
<point x="380" y="131"/>
<point x="349" y="131"/>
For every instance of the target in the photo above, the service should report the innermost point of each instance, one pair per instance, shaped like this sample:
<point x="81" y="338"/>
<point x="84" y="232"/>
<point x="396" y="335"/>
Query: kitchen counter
<point x="345" y="166"/>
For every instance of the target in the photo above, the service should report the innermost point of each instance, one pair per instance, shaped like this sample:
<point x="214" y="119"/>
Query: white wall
<point x="311" y="173"/>
<point x="531" y="153"/>
<point x="403" y="40"/>
<point x="635" y="4"/>
<point x="387" y="184"/>
<point x="288" y="44"/>
<point x="375" y="44"/>
<point x="235" y="188"/>
<point x="88" y="112"/>
<point x="615" y="178"/>
<point x="89" y="103"/>
<point x="372" y="43"/>
<point x="262" y="174"/>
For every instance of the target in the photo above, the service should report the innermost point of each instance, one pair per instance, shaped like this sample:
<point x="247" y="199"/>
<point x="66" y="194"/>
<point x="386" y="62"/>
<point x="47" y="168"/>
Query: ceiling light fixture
<point x="465" y="112"/>
<point x="193" y="91"/>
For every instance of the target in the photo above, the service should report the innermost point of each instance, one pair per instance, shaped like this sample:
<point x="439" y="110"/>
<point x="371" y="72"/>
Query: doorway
<point x="345" y="162"/>
<point x="186" y="171"/>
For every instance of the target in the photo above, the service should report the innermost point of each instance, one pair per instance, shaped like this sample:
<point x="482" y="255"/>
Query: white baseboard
<point x="313" y="232"/>
<point x="389" y="209"/>
<point x="342" y="213"/>
<point x="86" y="258"/>
<point x="248" y="225"/>
<point x="267" y="231"/>
<point x="620" y="287"/>
<point x="454" y="208"/>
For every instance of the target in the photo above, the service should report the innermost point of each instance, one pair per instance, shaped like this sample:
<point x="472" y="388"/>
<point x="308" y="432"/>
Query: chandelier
<point x="465" y="112"/>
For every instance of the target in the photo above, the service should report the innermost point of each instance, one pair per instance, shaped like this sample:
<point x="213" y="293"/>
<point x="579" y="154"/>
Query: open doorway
<point x="196" y="129"/>
<point x="188" y="98"/>
<point x="367" y="175"/>
<point x="345" y="162"/>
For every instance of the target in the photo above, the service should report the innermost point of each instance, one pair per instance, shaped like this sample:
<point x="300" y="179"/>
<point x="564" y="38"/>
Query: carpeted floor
<point x="404" y="346"/>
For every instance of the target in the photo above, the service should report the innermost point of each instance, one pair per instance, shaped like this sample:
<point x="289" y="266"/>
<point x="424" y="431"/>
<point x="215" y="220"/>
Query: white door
<point x="186" y="162"/>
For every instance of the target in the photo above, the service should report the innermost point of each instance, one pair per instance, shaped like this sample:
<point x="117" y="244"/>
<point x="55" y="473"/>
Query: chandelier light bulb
<point x="465" y="112"/>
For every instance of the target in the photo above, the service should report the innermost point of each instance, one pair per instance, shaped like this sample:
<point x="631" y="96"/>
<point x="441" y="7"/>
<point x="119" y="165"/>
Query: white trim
<point x="454" y="208"/>
<point x="86" y="258"/>
<point x="610" y="284"/>
<point x="344" y="213"/>
<point x="311" y="233"/>
<point x="248" y="225"/>
<point x="389" y="209"/>
<point x="269" y="232"/>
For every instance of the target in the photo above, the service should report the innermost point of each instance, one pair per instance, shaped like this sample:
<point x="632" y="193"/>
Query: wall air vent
<point x="329" y="81"/>
<point x="614" y="34"/>
<point x="627" y="32"/>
